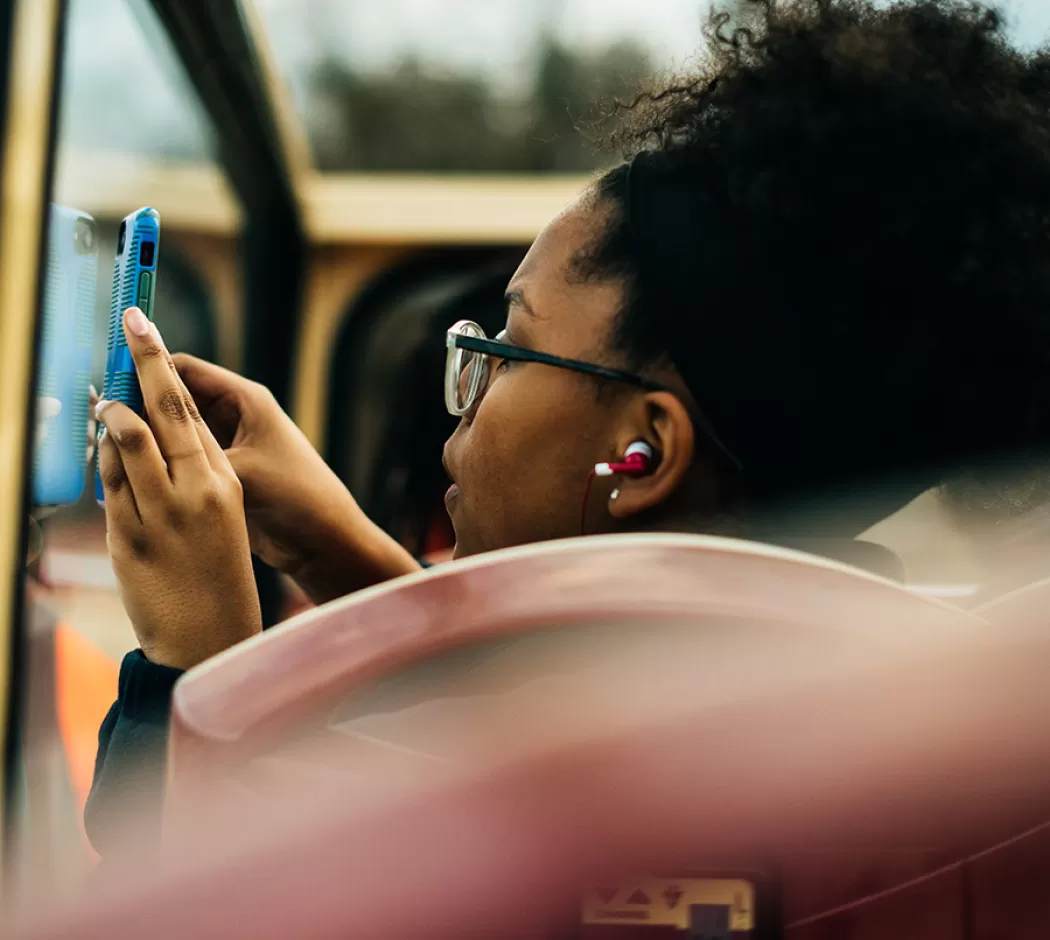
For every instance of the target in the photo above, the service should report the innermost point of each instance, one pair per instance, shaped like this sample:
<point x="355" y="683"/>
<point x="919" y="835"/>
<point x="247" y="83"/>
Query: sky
<point x="123" y="89"/>
<point x="487" y="35"/>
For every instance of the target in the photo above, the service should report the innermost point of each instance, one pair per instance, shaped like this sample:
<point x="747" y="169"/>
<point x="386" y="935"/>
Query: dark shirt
<point x="129" y="767"/>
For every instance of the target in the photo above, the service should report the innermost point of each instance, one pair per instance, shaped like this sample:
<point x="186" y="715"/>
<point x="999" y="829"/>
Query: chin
<point x="465" y="548"/>
<point x="462" y="551"/>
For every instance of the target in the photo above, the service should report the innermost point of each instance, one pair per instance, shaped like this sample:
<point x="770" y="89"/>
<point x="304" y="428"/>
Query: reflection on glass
<point x="130" y="133"/>
<point x="123" y="91"/>
<point x="66" y="340"/>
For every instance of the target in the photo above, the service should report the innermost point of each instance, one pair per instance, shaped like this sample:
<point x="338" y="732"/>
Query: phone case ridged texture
<point x="121" y="383"/>
<point x="123" y="386"/>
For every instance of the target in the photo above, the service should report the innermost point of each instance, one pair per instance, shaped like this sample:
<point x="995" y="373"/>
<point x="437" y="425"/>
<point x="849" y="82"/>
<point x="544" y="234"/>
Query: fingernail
<point x="136" y="321"/>
<point x="99" y="408"/>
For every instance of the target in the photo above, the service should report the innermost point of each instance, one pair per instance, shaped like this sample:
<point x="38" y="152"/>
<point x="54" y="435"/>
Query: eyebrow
<point x="516" y="298"/>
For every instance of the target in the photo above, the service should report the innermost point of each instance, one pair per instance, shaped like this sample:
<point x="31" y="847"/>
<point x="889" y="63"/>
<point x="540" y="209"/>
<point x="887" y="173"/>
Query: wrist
<point x="354" y="555"/>
<point x="208" y="637"/>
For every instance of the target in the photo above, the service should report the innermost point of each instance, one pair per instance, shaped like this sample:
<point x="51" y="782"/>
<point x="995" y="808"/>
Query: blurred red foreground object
<point x="905" y="796"/>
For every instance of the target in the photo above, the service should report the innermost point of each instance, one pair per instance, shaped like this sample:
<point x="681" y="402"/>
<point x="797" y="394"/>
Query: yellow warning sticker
<point x="673" y="902"/>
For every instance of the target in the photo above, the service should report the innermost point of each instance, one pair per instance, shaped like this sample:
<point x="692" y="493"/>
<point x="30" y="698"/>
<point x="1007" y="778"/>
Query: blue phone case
<point x="134" y="285"/>
<point x="67" y="329"/>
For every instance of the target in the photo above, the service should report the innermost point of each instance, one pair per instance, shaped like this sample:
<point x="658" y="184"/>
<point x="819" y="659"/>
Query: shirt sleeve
<point x="127" y="790"/>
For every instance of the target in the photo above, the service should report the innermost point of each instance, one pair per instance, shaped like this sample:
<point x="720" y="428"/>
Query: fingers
<point x="207" y="381"/>
<point x="142" y="461"/>
<point x="120" y="505"/>
<point x="223" y="397"/>
<point x="172" y="417"/>
<point x="212" y="448"/>
<point x="48" y="408"/>
<point x="92" y="424"/>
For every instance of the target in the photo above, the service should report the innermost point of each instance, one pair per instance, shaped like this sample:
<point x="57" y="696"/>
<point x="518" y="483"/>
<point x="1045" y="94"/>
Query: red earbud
<point x="637" y="460"/>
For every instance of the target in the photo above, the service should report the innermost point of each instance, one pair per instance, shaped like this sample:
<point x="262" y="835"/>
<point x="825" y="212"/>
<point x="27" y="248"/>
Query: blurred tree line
<point x="416" y="117"/>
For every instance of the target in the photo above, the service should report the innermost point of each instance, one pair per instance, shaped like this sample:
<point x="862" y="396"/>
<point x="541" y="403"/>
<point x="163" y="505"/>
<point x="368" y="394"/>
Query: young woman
<point x="826" y="270"/>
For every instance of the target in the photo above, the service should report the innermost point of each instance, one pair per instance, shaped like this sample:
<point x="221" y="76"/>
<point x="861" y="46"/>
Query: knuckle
<point x="244" y="476"/>
<point x="127" y="546"/>
<point x="113" y="477"/>
<point x="130" y="440"/>
<point x="223" y="494"/>
<point x="191" y="409"/>
<point x="172" y="405"/>
<point x="214" y="499"/>
<point x="175" y="518"/>
<point x="154" y="350"/>
<point x="235" y="489"/>
<point x="261" y="393"/>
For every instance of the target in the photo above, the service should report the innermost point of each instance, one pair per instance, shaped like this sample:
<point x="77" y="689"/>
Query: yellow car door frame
<point x="30" y="34"/>
<point x="263" y="154"/>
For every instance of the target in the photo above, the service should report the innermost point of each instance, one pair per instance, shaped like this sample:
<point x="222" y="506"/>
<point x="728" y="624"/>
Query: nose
<point x="477" y="376"/>
<point x="447" y="459"/>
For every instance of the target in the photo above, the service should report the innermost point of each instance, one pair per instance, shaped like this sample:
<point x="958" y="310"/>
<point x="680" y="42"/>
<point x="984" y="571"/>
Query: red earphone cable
<point x="586" y="498"/>
<point x="636" y="462"/>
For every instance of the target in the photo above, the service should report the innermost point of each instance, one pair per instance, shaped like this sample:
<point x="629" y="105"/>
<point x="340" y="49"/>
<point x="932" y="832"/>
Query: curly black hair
<point x="892" y="163"/>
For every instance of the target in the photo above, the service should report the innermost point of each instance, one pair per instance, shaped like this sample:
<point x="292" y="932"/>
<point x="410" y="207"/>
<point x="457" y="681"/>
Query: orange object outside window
<point x="85" y="688"/>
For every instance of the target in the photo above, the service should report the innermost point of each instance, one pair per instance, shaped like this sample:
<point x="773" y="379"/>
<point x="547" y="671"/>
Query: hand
<point x="301" y="518"/>
<point x="174" y="517"/>
<point x="92" y="424"/>
<point x="46" y="410"/>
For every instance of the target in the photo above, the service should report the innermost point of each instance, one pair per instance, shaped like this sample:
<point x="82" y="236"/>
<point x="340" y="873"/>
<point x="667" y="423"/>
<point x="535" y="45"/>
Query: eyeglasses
<point x="470" y="354"/>
<point x="469" y="361"/>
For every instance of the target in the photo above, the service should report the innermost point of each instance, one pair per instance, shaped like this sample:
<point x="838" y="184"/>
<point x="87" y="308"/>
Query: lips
<point x="453" y="491"/>
<point x="450" y="495"/>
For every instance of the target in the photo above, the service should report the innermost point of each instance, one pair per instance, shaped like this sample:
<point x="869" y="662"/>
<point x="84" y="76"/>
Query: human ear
<point x="663" y="422"/>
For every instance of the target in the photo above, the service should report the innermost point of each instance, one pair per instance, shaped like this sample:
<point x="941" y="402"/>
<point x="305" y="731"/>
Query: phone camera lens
<point x="122" y="237"/>
<point x="85" y="237"/>
<point x="146" y="254"/>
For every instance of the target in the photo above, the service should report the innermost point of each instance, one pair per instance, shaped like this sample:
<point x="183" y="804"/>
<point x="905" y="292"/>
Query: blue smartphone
<point x="64" y="375"/>
<point x="134" y="285"/>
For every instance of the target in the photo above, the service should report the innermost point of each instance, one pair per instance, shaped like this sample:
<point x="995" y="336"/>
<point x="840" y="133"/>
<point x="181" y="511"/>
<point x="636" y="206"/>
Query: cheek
<point x="526" y="457"/>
